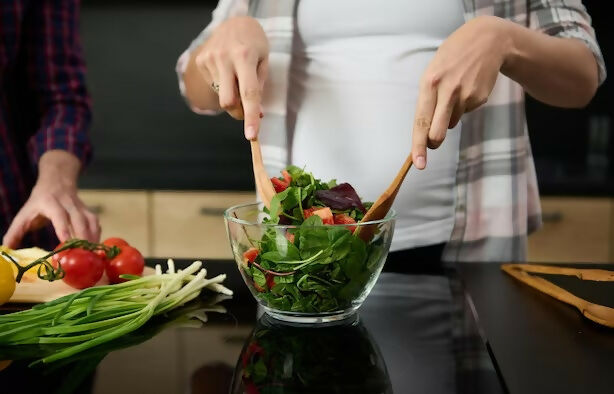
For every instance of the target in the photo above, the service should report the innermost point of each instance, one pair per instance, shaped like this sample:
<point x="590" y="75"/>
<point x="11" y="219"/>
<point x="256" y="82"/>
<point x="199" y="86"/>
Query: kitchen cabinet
<point x="575" y="230"/>
<point x="191" y="224"/>
<point x="122" y="214"/>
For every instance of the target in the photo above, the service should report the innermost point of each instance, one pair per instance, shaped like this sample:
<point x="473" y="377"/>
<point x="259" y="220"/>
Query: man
<point x="44" y="116"/>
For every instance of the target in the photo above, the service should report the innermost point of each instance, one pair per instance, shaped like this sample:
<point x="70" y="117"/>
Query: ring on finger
<point x="423" y="123"/>
<point x="215" y="87"/>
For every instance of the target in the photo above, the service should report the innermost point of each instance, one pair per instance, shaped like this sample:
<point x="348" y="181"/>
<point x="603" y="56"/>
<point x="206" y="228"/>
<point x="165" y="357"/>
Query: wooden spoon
<point x="382" y="205"/>
<point x="264" y="186"/>
<point x="598" y="313"/>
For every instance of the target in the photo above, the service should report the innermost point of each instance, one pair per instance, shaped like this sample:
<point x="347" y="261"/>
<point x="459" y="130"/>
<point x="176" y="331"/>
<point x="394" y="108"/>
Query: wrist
<point x="58" y="167"/>
<point x="508" y="38"/>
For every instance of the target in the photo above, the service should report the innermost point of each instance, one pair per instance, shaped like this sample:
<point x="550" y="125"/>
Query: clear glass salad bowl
<point x="307" y="273"/>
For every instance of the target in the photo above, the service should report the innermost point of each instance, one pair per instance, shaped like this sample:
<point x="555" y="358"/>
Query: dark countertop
<point x="414" y="334"/>
<point x="542" y="345"/>
<point x="411" y="336"/>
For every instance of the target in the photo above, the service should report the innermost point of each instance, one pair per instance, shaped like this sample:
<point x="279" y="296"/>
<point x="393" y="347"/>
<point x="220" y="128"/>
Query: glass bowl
<point x="307" y="274"/>
<point x="283" y="358"/>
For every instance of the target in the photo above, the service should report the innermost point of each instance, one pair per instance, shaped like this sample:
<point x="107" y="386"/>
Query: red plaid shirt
<point x="44" y="103"/>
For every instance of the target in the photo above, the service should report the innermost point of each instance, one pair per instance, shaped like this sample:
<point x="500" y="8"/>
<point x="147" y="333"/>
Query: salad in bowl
<point x="308" y="258"/>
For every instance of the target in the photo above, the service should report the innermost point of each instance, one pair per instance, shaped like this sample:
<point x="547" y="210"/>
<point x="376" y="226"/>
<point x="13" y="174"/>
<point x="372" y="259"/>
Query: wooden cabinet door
<point x="122" y="214"/>
<point x="191" y="224"/>
<point x="574" y="230"/>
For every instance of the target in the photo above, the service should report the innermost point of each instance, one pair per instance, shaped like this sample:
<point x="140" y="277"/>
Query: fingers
<point x="230" y="101"/>
<point x="446" y="99"/>
<point x="250" y="91"/>
<point x="59" y="218"/>
<point x="16" y="231"/>
<point x="425" y="108"/>
<point x="93" y="224"/>
<point x="457" y="113"/>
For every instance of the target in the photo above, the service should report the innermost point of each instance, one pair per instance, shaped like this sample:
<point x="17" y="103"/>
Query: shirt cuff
<point x="66" y="138"/>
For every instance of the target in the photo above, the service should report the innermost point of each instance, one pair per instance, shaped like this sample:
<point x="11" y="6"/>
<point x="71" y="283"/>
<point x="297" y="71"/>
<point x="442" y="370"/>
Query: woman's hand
<point x="459" y="79"/>
<point x="54" y="198"/>
<point x="235" y="59"/>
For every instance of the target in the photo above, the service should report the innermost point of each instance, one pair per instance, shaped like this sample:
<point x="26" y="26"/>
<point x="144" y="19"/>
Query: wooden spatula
<point x="598" y="313"/>
<point x="382" y="205"/>
<point x="264" y="186"/>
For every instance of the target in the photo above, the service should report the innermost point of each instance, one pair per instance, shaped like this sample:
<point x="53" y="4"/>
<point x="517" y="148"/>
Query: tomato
<point x="56" y="257"/>
<point x="279" y="185"/>
<point x="342" y="218"/>
<point x="251" y="254"/>
<point x="270" y="281"/>
<point x="82" y="268"/>
<point x="324" y="212"/>
<point x="290" y="237"/>
<point x="114" y="241"/>
<point x="129" y="261"/>
<point x="7" y="280"/>
<point x="287" y="177"/>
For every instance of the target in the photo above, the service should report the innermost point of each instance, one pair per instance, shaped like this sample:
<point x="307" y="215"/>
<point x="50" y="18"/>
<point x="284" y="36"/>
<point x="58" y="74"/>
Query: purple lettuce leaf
<point x="341" y="198"/>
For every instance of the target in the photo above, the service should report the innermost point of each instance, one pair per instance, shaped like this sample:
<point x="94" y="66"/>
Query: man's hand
<point x="459" y="79"/>
<point x="54" y="198"/>
<point x="235" y="59"/>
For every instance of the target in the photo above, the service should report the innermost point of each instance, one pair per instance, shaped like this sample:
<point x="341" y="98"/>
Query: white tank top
<point x="354" y="81"/>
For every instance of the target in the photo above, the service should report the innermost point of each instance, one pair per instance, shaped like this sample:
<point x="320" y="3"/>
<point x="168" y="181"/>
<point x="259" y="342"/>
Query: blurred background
<point x="162" y="176"/>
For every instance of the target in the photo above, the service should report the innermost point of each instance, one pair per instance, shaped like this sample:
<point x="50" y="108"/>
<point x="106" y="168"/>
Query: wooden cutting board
<point x="38" y="290"/>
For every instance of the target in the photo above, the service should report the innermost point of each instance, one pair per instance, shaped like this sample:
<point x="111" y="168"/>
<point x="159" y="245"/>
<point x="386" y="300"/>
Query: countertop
<point x="474" y="330"/>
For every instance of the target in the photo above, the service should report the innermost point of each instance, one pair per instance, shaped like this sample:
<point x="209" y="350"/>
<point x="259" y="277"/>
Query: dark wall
<point x="144" y="134"/>
<point x="574" y="148"/>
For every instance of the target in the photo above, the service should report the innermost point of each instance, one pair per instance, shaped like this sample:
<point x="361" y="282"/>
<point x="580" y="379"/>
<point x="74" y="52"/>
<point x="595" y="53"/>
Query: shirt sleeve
<point x="56" y="74"/>
<point x="566" y="18"/>
<point x="225" y="9"/>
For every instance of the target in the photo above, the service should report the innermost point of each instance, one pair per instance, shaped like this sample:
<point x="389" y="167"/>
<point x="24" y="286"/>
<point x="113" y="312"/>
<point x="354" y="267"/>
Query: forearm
<point x="557" y="71"/>
<point x="197" y="82"/>
<point x="59" y="166"/>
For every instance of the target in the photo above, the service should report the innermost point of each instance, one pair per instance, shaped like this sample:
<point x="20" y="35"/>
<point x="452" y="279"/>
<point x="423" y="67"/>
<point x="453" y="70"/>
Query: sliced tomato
<point x="279" y="185"/>
<point x="324" y="212"/>
<point x="270" y="282"/>
<point x="342" y="218"/>
<point x="250" y="254"/>
<point x="287" y="176"/>
<point x="290" y="237"/>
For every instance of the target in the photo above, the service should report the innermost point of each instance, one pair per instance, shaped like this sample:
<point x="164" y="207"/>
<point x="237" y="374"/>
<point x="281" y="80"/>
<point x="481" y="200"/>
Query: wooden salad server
<point x="263" y="182"/>
<point x="382" y="205"/>
<point x="598" y="313"/>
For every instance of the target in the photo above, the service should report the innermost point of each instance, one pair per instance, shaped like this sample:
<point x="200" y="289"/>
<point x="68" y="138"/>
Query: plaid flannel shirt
<point x="44" y="104"/>
<point x="497" y="199"/>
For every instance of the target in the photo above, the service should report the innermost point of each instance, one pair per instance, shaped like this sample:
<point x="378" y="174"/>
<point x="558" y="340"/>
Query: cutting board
<point x="38" y="290"/>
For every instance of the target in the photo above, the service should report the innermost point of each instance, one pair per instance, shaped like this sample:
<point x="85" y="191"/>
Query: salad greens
<point x="312" y="267"/>
<point x="288" y="359"/>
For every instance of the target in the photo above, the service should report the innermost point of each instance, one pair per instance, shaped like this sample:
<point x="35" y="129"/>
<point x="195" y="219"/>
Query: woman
<point x="348" y="88"/>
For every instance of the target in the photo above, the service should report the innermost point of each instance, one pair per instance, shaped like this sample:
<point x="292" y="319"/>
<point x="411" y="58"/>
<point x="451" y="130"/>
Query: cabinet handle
<point x="207" y="211"/>
<point x="96" y="209"/>
<point x="552" y="217"/>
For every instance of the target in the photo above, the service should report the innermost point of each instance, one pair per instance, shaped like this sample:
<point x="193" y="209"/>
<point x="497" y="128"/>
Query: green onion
<point x="100" y="314"/>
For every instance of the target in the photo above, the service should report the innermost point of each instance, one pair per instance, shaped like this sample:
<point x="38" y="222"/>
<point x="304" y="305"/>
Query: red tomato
<point x="279" y="185"/>
<point x="56" y="257"/>
<point x="287" y="177"/>
<point x="129" y="261"/>
<point x="324" y="212"/>
<point x="250" y="254"/>
<point x="270" y="282"/>
<point x="290" y="237"/>
<point x="342" y="218"/>
<point x="114" y="241"/>
<point x="82" y="268"/>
